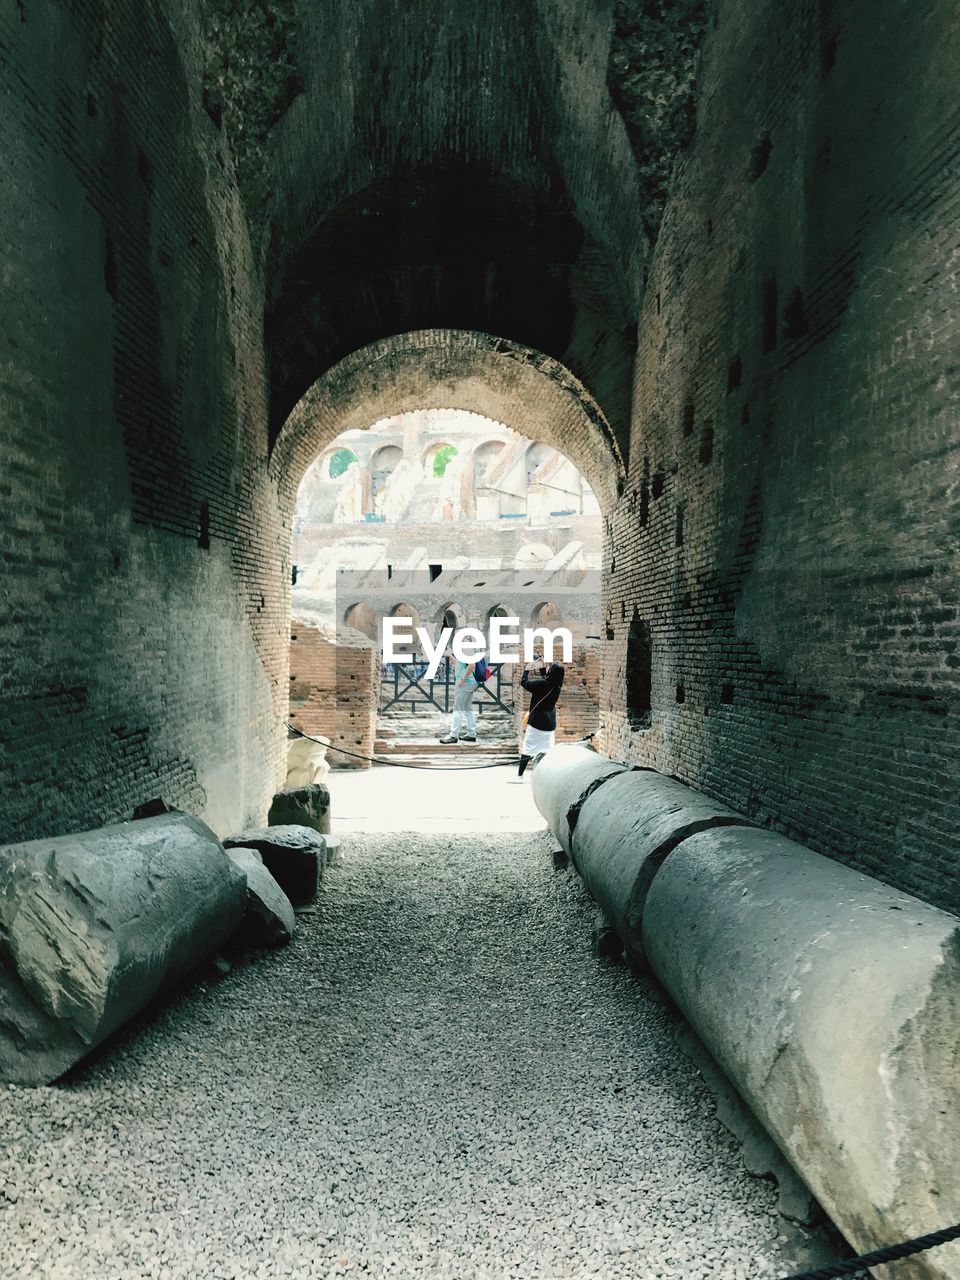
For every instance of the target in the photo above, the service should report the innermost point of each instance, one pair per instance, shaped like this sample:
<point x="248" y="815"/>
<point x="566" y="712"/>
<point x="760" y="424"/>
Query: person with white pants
<point x="463" y="726"/>
<point x="540" y="723"/>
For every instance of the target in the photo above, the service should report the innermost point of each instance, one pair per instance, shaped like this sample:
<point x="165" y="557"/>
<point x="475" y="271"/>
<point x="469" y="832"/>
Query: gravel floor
<point x="435" y="1079"/>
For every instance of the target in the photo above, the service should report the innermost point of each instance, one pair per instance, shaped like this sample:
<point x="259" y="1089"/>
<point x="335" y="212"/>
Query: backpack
<point x="481" y="670"/>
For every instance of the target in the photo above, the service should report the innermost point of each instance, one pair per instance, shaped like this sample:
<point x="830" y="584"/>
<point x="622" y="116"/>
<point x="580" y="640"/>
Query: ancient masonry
<point x="758" y="402"/>
<point x="698" y="261"/>
<point x="335" y="689"/>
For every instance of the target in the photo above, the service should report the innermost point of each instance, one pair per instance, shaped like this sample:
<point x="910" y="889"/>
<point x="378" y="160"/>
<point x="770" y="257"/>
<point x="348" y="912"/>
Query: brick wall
<point x="789" y="528"/>
<point x="142" y="631"/>
<point x="335" y="689"/>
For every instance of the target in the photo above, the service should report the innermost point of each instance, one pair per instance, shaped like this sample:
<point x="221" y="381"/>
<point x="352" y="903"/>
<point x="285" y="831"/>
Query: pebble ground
<point x="436" y="1079"/>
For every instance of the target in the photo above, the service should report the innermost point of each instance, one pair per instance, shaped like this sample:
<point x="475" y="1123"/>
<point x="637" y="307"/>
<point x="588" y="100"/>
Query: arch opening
<point x="452" y="369"/>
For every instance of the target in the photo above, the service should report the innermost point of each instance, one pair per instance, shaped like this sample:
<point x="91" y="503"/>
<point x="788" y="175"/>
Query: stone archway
<point x="452" y="369"/>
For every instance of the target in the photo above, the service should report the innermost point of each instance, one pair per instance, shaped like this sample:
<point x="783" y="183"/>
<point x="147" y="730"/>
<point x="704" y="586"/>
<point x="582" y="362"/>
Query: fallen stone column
<point x="294" y="855"/>
<point x="94" y="925"/>
<point x="269" y="920"/>
<point x="833" y="1003"/>
<point x="562" y="780"/>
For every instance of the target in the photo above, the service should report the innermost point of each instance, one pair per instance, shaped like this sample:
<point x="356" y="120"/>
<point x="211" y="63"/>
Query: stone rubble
<point x="93" y="925"/>
<point x="294" y="855"/>
<point x="269" y="919"/>
<point x="304" y="806"/>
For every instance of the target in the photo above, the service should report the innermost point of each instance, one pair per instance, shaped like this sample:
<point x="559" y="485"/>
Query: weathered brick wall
<point x="335" y="689"/>
<point x="789" y="530"/>
<point x="141" y="628"/>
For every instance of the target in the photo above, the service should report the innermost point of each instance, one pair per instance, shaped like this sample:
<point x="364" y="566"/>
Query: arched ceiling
<point x="449" y="165"/>
<point x="452" y="369"/>
<point x="453" y="248"/>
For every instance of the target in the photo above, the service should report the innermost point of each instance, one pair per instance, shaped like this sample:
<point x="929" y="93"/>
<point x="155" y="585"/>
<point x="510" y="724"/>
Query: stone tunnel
<point x="705" y="249"/>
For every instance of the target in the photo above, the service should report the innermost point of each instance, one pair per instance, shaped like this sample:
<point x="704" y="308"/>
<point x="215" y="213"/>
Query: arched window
<point x="339" y="461"/>
<point x="362" y="618"/>
<point x="449" y="615"/>
<point x="537" y="455"/>
<point x="406" y="611"/>
<point x="437" y="458"/>
<point x="382" y="466"/>
<point x="546" y="614"/>
<point x="483" y="456"/>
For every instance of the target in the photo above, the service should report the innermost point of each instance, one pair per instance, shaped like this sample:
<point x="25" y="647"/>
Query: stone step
<point x="446" y="762"/>
<point x="431" y="746"/>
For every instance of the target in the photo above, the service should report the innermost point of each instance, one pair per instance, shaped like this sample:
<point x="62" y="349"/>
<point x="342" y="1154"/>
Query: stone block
<point x="94" y="925"/>
<point x="306" y="806"/>
<point x="269" y="920"/>
<point x="294" y="855"/>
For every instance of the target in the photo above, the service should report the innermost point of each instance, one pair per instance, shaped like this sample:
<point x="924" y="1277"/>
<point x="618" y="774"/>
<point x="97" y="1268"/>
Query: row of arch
<point x="434" y="458"/>
<point x="361" y="617"/>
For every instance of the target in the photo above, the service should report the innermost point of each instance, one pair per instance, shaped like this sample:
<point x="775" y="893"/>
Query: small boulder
<point x="294" y="856"/>
<point x="269" y="920"/>
<point x="307" y="806"/>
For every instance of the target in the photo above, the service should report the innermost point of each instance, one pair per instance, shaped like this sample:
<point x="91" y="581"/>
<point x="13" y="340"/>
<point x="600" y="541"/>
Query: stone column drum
<point x="560" y="788"/>
<point x="833" y="1003"/>
<point x="94" y="925"/>
<point x="831" y="1000"/>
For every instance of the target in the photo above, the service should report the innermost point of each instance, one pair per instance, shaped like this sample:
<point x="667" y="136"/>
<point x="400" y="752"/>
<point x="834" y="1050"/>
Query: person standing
<point x="540" y="723"/>
<point x="463" y="726"/>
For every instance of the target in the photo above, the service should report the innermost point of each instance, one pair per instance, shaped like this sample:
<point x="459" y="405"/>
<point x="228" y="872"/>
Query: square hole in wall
<point x="768" y="315"/>
<point x="760" y="158"/>
<point x="706" y="445"/>
<point x="639" y="674"/>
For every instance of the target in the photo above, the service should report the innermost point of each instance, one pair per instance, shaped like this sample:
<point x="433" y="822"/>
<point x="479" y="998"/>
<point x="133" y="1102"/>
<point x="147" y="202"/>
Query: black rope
<point x="891" y="1253"/>
<point x="397" y="764"/>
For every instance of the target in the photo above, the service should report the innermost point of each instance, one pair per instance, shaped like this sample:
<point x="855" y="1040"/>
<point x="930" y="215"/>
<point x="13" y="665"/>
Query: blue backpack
<point x="481" y="670"/>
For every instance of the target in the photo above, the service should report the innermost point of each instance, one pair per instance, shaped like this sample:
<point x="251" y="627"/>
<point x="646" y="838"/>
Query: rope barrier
<point x="436" y="768"/>
<point x="397" y="764"/>
<point x="892" y="1253"/>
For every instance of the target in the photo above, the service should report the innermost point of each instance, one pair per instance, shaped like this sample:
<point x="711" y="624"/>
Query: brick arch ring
<point x="451" y="369"/>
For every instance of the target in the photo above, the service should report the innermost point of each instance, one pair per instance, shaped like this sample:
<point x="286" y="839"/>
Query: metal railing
<point x="405" y="684"/>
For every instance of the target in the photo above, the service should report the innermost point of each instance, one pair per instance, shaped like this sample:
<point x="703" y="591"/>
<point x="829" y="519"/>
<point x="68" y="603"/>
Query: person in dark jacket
<point x="543" y="683"/>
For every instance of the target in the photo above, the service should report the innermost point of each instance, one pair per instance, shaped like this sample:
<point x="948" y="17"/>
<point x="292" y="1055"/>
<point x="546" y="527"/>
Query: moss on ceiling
<point x="251" y="77"/>
<point x="652" y="77"/>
